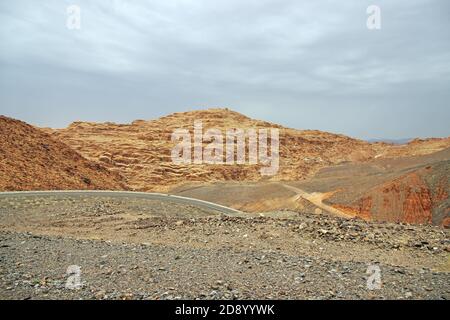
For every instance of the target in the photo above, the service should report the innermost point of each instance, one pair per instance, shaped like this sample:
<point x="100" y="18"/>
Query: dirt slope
<point x="141" y="150"/>
<point x="33" y="160"/>
<point x="420" y="197"/>
<point x="408" y="189"/>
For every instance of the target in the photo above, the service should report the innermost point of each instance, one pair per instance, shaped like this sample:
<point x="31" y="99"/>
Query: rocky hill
<point x="141" y="151"/>
<point x="420" y="196"/>
<point x="410" y="189"/>
<point x="33" y="160"/>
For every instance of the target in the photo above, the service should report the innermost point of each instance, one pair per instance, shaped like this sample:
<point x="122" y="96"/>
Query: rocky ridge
<point x="33" y="160"/>
<point x="141" y="151"/>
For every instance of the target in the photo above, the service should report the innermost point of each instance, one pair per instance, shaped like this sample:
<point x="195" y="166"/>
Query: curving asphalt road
<point x="145" y="195"/>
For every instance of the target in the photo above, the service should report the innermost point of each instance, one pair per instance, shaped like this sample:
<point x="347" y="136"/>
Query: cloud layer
<point x="304" y="64"/>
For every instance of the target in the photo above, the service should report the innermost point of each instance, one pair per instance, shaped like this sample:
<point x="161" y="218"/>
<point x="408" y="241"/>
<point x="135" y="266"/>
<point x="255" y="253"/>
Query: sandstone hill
<point x="32" y="160"/>
<point x="141" y="151"/>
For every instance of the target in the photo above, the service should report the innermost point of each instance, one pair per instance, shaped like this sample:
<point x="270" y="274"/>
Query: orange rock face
<point x="32" y="160"/>
<point x="418" y="203"/>
<point x="446" y="222"/>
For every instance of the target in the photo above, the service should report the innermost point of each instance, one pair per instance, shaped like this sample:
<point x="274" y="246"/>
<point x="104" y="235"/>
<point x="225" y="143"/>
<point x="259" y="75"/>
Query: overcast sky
<point x="303" y="64"/>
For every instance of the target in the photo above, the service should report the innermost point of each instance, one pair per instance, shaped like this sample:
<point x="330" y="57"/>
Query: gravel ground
<point x="136" y="249"/>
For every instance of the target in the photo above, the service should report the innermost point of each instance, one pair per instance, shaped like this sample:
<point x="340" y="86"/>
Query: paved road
<point x="145" y="195"/>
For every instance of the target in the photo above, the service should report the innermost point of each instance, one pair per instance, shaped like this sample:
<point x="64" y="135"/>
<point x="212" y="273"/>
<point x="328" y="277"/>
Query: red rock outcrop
<point x="419" y="197"/>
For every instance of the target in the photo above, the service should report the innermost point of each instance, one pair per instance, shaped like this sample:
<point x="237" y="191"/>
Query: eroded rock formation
<point x="32" y="160"/>
<point x="141" y="150"/>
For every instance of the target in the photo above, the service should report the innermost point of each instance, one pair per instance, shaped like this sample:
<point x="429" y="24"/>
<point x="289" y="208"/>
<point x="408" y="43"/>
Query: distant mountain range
<point x="391" y="141"/>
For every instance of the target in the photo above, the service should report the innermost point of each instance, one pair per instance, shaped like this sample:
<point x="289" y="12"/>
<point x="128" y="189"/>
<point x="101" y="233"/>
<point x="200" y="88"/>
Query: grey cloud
<point x="305" y="64"/>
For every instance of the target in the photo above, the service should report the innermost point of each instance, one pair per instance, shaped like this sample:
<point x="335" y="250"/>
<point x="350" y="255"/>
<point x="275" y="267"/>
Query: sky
<point x="302" y="64"/>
